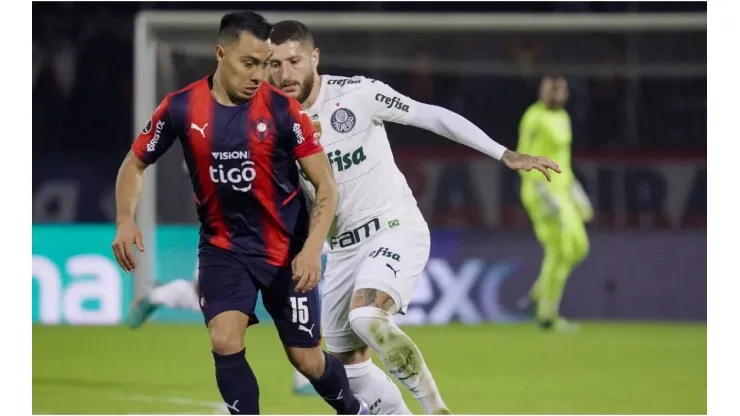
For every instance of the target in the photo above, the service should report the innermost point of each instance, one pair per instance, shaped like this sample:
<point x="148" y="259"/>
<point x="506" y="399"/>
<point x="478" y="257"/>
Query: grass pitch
<point x="609" y="368"/>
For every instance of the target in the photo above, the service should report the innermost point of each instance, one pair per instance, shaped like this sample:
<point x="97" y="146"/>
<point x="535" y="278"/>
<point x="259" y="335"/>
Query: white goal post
<point x="151" y="24"/>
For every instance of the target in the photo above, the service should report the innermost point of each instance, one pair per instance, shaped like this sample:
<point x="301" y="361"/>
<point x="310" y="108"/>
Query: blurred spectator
<point x="102" y="96"/>
<point x="54" y="70"/>
<point x="606" y="99"/>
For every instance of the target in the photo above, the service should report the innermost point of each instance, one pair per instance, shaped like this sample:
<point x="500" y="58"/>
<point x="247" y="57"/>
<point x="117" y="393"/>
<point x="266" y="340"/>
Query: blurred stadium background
<point x="639" y="122"/>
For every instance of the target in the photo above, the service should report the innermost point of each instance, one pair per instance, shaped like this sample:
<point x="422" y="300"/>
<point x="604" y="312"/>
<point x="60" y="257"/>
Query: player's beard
<point x="306" y="88"/>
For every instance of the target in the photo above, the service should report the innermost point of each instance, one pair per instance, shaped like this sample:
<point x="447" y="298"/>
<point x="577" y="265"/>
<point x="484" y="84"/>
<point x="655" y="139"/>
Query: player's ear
<point x="220" y="53"/>
<point x="315" y="57"/>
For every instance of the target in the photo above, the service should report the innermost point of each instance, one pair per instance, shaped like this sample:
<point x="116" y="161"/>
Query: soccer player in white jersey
<point x="380" y="241"/>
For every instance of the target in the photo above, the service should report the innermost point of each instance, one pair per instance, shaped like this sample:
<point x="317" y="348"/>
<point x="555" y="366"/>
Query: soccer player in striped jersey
<point x="241" y="139"/>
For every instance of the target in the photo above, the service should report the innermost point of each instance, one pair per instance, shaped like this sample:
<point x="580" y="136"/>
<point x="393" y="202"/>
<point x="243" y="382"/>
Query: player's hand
<point x="127" y="235"/>
<point x="582" y="203"/>
<point x="520" y="161"/>
<point x="307" y="269"/>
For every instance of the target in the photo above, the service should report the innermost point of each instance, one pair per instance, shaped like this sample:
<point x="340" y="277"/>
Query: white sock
<point x="375" y="388"/>
<point x="177" y="294"/>
<point x="399" y="354"/>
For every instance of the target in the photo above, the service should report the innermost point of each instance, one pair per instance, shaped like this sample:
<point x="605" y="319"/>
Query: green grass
<point x="487" y="369"/>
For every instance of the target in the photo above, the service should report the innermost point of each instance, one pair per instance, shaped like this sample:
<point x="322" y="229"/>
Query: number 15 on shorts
<point x="300" y="309"/>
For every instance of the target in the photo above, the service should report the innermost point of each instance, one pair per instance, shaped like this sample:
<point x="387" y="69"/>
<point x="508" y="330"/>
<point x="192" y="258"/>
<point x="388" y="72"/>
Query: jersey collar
<point x="319" y="98"/>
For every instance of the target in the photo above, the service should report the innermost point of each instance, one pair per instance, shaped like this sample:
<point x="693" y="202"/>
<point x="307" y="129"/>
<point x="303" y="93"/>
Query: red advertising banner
<point x="465" y="189"/>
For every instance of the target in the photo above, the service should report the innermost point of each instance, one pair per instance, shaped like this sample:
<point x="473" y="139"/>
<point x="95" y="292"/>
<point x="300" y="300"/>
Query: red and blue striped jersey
<point x="241" y="161"/>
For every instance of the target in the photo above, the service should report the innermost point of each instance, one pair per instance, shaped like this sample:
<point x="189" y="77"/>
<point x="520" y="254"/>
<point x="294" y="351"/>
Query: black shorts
<point x="230" y="282"/>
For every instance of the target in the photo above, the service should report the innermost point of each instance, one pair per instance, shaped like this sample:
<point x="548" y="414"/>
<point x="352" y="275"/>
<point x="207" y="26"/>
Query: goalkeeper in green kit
<point x="558" y="210"/>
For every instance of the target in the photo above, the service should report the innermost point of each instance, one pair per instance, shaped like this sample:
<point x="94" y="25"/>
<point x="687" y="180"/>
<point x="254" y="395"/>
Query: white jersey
<point x="351" y="112"/>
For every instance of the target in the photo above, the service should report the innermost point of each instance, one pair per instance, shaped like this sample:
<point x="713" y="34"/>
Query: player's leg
<point x="301" y="385"/>
<point x="544" y="209"/>
<point x="176" y="294"/>
<point x="366" y="379"/>
<point x="384" y="286"/>
<point x="574" y="247"/>
<point x="296" y="317"/>
<point x="227" y="300"/>
<point x="553" y="267"/>
<point x="565" y="244"/>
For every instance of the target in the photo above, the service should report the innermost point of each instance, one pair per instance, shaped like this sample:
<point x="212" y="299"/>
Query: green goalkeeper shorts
<point x="556" y="221"/>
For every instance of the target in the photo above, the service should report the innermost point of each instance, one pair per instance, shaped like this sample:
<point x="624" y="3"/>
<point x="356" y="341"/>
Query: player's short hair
<point x="553" y="76"/>
<point x="291" y="30"/>
<point x="234" y="23"/>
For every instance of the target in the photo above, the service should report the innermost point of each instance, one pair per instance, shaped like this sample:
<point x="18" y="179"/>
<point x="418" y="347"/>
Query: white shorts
<point x="389" y="260"/>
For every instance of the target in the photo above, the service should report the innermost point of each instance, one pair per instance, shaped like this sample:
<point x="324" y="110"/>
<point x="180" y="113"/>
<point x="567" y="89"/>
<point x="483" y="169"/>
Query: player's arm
<point x="389" y="105"/>
<point x="581" y="200"/>
<point x="315" y="165"/>
<point x="319" y="173"/>
<point x="128" y="187"/>
<point x="151" y="143"/>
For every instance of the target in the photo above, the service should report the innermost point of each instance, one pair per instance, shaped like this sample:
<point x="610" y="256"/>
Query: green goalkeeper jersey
<point x="546" y="132"/>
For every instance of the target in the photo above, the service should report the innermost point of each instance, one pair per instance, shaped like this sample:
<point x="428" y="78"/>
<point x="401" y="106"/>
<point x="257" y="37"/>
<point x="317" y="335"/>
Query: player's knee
<point x="359" y="355"/>
<point x="576" y="248"/>
<point x="227" y="332"/>
<point x="554" y="252"/>
<point x="370" y="324"/>
<point x="226" y="342"/>
<point x="308" y="361"/>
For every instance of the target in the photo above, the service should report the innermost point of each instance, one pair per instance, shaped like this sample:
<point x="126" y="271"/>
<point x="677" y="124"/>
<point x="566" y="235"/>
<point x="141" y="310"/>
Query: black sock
<point x="237" y="384"/>
<point x="333" y="387"/>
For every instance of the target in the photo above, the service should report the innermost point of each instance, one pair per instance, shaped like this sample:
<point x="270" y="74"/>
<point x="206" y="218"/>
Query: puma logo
<point x="395" y="272"/>
<point x="339" y="396"/>
<point x="202" y="130"/>
<point x="304" y="329"/>
<point x="233" y="406"/>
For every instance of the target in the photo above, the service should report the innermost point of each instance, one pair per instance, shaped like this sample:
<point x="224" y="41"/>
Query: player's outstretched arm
<point x="391" y="106"/>
<point x="457" y="128"/>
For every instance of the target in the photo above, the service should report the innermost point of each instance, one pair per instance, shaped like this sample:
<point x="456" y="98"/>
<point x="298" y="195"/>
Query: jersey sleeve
<point x="305" y="139"/>
<point x="389" y="105"/>
<point x="157" y="136"/>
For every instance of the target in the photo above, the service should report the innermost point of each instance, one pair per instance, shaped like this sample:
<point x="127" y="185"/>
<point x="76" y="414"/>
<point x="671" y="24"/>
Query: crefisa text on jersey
<point x="392" y="102"/>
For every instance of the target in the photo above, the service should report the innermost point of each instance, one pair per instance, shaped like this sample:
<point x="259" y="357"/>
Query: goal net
<point x="636" y="81"/>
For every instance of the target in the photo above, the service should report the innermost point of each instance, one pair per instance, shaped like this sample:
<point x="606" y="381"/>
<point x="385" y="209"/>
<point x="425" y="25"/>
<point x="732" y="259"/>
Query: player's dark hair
<point x="290" y="31"/>
<point x="234" y="23"/>
<point x="553" y="76"/>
